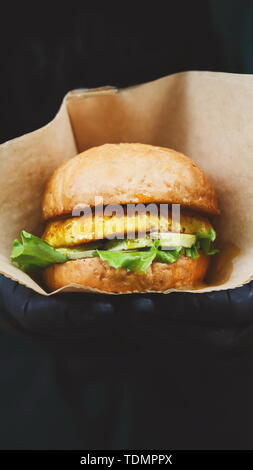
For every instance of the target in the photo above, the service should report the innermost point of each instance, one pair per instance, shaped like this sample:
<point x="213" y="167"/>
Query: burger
<point x="124" y="218"/>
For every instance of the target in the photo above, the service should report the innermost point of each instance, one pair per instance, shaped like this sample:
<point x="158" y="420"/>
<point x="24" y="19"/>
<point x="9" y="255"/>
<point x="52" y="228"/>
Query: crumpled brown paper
<point x="208" y="116"/>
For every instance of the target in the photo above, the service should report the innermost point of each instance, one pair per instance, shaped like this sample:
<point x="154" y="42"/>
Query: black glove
<point x="223" y="319"/>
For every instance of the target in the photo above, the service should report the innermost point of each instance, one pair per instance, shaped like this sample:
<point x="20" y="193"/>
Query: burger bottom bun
<point x="97" y="274"/>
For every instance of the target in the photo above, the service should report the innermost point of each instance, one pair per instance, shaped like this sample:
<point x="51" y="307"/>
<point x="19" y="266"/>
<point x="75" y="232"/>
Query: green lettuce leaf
<point x="210" y="235"/>
<point x="168" y="256"/>
<point x="208" y="247"/>
<point x="205" y="242"/>
<point x="192" y="252"/>
<point x="32" y="253"/>
<point x="131" y="260"/>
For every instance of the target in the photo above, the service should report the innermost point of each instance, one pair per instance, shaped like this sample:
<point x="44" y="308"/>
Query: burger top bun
<point x="128" y="173"/>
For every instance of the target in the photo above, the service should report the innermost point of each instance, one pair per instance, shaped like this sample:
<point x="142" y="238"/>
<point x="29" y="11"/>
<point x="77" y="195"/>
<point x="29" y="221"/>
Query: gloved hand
<point x="222" y="319"/>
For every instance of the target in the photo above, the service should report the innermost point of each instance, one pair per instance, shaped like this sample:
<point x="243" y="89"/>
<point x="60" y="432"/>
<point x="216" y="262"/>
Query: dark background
<point x="145" y="378"/>
<point x="47" y="52"/>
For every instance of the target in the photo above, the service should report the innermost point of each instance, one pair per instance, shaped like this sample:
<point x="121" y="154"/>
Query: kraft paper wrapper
<point x="208" y="116"/>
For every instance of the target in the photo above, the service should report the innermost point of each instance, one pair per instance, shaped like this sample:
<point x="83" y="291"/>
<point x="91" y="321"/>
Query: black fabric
<point x="217" y="320"/>
<point x="142" y="371"/>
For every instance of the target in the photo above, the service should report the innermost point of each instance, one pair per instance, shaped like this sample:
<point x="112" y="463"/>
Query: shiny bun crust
<point x="97" y="274"/>
<point x="128" y="173"/>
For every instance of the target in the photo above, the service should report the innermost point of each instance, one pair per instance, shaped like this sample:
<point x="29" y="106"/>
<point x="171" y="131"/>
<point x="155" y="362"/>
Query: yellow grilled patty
<point x="77" y="230"/>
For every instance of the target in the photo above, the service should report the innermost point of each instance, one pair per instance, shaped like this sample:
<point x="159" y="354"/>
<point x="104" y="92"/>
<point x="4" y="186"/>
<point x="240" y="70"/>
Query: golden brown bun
<point x="97" y="274"/>
<point x="128" y="173"/>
